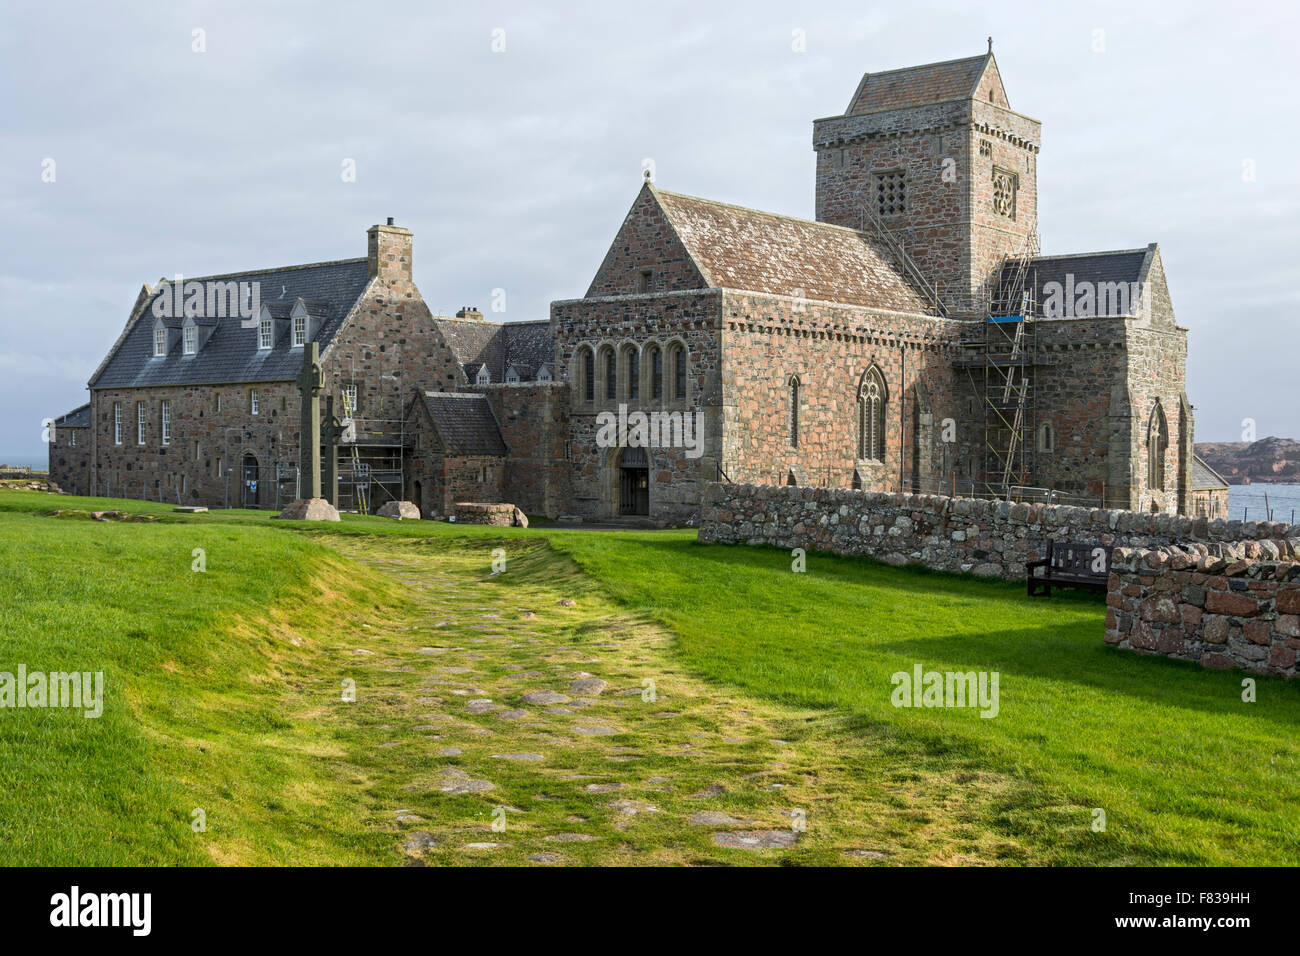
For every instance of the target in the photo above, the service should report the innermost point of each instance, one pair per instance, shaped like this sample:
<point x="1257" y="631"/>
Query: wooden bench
<point x="1069" y="565"/>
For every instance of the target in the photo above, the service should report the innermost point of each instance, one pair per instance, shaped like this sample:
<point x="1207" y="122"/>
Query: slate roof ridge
<point x="763" y="212"/>
<point x="64" y="419"/>
<point x="1091" y="255"/>
<point x="275" y="269"/>
<point x="920" y="69"/>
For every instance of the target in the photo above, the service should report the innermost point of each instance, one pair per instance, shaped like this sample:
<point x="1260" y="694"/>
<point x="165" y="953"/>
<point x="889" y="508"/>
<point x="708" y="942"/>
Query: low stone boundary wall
<point x="969" y="535"/>
<point x="1200" y="604"/>
<point x="499" y="515"/>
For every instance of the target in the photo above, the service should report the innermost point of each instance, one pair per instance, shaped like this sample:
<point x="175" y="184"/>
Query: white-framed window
<point x="190" y="339"/>
<point x="544" y="374"/>
<point x="165" y="413"/>
<point x="264" y="334"/>
<point x="484" y="377"/>
<point x="350" y="401"/>
<point x="299" y="330"/>
<point x="198" y="450"/>
<point x="72" y="437"/>
<point x="217" y="401"/>
<point x="117" y="423"/>
<point x="139" y="423"/>
<point x="160" y="341"/>
<point x="254" y="402"/>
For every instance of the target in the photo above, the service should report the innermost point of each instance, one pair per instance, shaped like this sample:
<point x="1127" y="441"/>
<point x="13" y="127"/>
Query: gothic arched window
<point x="1157" y="442"/>
<point x="871" y="416"/>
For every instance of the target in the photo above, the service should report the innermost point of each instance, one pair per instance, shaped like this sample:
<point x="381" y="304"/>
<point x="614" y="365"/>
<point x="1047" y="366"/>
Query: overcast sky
<point x="1168" y="123"/>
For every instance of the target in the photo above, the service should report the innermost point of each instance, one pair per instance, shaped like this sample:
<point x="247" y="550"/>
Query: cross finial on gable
<point x="990" y="44"/>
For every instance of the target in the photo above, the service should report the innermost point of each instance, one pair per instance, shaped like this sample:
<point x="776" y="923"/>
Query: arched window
<point x="871" y="416"/>
<point x="792" y="412"/>
<point x="632" y="367"/>
<point x="1046" y="438"/>
<point x="656" y="363"/>
<point x="609" y="368"/>
<point x="677" y="366"/>
<point x="587" y="373"/>
<point x="1157" y="442"/>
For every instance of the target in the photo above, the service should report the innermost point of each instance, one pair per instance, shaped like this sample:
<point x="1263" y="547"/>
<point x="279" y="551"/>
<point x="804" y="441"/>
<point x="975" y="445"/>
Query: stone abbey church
<point x="909" y="338"/>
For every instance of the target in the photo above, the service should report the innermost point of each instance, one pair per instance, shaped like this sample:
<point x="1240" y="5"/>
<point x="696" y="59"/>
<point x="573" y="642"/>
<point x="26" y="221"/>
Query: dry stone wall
<point x="1209" y="604"/>
<point x="964" y="535"/>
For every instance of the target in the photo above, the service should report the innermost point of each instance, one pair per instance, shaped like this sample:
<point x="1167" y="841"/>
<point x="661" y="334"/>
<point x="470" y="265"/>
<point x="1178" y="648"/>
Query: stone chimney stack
<point x="470" y="312"/>
<point x="388" y="251"/>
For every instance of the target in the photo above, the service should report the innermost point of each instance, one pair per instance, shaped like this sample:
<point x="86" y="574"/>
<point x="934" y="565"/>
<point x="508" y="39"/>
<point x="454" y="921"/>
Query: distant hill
<point x="1267" y="460"/>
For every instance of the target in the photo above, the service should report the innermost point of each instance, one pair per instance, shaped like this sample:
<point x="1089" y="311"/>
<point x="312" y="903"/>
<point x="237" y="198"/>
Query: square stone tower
<point x="936" y="155"/>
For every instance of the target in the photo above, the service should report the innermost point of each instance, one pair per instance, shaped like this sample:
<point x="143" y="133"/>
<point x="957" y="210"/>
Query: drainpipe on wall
<point x="902" y="418"/>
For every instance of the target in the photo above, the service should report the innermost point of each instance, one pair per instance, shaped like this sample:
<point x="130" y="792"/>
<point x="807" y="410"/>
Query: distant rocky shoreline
<point x="1267" y="461"/>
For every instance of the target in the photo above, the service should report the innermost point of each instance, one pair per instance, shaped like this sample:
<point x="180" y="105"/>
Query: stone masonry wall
<point x="70" y="463"/>
<point x="965" y="535"/>
<point x="1212" y="604"/>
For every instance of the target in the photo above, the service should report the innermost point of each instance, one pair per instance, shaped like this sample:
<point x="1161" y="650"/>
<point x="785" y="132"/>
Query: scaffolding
<point x="1008" y="361"/>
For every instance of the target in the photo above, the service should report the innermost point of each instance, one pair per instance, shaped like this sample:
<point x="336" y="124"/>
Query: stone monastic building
<point x="912" y="337"/>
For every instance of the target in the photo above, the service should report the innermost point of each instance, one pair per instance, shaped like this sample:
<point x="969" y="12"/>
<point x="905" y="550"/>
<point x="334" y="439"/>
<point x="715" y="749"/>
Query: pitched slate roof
<point x="918" y="85"/>
<point x="1124" y="265"/>
<point x="465" y="423"/>
<point x="498" y="345"/>
<point x="739" y="248"/>
<point x="1205" y="478"/>
<point x="77" y="418"/>
<point x="230" y="354"/>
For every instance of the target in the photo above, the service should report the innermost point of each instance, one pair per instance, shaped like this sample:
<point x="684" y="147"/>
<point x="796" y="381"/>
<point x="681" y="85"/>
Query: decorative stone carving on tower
<point x="311" y="382"/>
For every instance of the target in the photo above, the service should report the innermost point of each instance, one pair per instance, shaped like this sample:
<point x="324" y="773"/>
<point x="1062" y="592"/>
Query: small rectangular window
<point x="633" y="375"/>
<point x="117" y="423"/>
<point x="166" y="415"/>
<point x="139" y="423"/>
<point x="191" y="339"/>
<point x="72" y="437"/>
<point x="611" y="375"/>
<point x="254" y="402"/>
<point x="264" y="334"/>
<point x="160" y="341"/>
<point x="589" y="377"/>
<point x="299" y="330"/>
<point x="643" y="281"/>
<point x="679" y="373"/>
<point x="216" y="401"/>
<point x="349" y="401"/>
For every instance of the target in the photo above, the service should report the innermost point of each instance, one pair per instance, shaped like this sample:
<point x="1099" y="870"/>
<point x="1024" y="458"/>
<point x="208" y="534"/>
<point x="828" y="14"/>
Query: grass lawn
<point x="222" y="695"/>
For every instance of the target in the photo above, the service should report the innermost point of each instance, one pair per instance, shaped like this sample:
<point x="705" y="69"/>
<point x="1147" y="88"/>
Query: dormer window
<point x="190" y="338"/>
<point x="160" y="341"/>
<point x="483" y="377"/>
<point x="544" y="374"/>
<point x="264" y="334"/>
<point x="299" y="330"/>
<point x="512" y="377"/>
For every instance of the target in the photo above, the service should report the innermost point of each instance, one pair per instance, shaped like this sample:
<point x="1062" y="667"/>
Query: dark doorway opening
<point x="634" y="482"/>
<point x="417" y="498"/>
<point x="250" y="482"/>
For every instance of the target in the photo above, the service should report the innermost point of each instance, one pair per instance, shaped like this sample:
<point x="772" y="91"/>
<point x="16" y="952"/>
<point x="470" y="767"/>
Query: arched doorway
<point x="634" y="482"/>
<point x="250" y="482"/>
